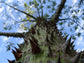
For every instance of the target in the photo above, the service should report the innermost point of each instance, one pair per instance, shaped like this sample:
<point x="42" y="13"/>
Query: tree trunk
<point x="46" y="45"/>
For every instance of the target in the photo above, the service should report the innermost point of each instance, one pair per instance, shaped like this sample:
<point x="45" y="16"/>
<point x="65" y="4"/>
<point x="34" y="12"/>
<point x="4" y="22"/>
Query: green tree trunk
<point x="44" y="44"/>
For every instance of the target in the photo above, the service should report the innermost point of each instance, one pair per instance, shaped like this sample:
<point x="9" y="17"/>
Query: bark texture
<point x="46" y="45"/>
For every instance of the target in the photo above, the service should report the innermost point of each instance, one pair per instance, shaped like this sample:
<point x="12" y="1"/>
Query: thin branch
<point x="42" y="10"/>
<point x="19" y="10"/>
<point x="64" y="19"/>
<point x="21" y="35"/>
<point x="59" y="19"/>
<point x="80" y="2"/>
<point x="77" y="24"/>
<point x="25" y="21"/>
<point x="38" y="11"/>
<point x="58" y="11"/>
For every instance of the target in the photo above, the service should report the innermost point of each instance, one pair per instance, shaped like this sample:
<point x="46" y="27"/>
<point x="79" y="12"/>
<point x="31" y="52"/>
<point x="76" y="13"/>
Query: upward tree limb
<point x="58" y="11"/>
<point x="19" y="10"/>
<point x="21" y="35"/>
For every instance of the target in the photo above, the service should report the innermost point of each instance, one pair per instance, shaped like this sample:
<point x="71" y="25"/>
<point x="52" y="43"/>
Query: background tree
<point x="41" y="24"/>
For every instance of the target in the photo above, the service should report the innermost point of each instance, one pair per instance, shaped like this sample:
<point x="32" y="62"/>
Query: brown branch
<point x="24" y="21"/>
<point x="21" y="35"/>
<point x="58" y="11"/>
<point x="19" y="10"/>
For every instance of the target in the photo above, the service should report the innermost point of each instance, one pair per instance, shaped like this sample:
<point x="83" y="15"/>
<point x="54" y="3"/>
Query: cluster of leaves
<point x="44" y="4"/>
<point x="73" y="14"/>
<point x="9" y="46"/>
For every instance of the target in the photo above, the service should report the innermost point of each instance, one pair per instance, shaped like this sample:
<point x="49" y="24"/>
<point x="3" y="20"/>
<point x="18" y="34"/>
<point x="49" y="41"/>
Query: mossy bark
<point x="46" y="45"/>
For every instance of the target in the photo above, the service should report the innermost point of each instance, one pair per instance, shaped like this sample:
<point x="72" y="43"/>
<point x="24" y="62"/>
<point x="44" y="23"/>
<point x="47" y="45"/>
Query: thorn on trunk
<point x="16" y="54"/>
<point x="33" y="30"/>
<point x="65" y="37"/>
<point x="76" y="58"/>
<point x="71" y="43"/>
<point x="34" y="46"/>
<point x="13" y="61"/>
<point x="50" y="51"/>
<point x="19" y="45"/>
<point x="18" y="50"/>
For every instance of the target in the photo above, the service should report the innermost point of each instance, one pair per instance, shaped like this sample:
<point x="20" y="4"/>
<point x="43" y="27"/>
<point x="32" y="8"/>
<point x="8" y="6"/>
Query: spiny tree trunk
<point x="44" y="43"/>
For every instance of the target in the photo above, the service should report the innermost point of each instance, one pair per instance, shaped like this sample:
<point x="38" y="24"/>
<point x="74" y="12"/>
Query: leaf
<point x="44" y="1"/>
<point x="54" y="3"/>
<point x="46" y="15"/>
<point x="61" y="23"/>
<point x="83" y="18"/>
<point x="82" y="13"/>
<point x="48" y="6"/>
<point x="65" y="11"/>
<point x="41" y="7"/>
<point x="76" y="27"/>
<point x="31" y="25"/>
<point x="5" y="28"/>
<point x="22" y="25"/>
<point x="72" y="23"/>
<point x="28" y="17"/>
<point x="79" y="34"/>
<point x="65" y="33"/>
<point x="68" y="24"/>
<point x="62" y="28"/>
<point x="25" y="4"/>
<point x="74" y="37"/>
<point x="25" y="28"/>
<point x="74" y="16"/>
<point x="35" y="3"/>
<point x="8" y="47"/>
<point x="30" y="3"/>
<point x="53" y="9"/>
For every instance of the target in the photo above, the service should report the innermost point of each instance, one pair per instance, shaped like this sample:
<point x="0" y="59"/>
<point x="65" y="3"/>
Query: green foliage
<point x="7" y="27"/>
<point x="9" y="45"/>
<point x="79" y="34"/>
<point x="46" y="15"/>
<point x="54" y="3"/>
<point x="73" y="37"/>
<point x="48" y="6"/>
<point x="76" y="27"/>
<point x="35" y="3"/>
<point x="83" y="18"/>
<point x="25" y="4"/>
<point x="61" y="23"/>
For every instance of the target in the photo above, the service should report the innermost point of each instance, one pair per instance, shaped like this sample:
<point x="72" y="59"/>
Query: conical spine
<point x="17" y="54"/>
<point x="11" y="61"/>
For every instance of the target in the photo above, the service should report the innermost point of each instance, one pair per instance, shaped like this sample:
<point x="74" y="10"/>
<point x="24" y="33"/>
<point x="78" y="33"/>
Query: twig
<point x="25" y="21"/>
<point x="77" y="23"/>
<point x="19" y="10"/>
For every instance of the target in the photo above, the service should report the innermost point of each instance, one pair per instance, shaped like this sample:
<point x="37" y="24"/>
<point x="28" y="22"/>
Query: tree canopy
<point x="23" y="15"/>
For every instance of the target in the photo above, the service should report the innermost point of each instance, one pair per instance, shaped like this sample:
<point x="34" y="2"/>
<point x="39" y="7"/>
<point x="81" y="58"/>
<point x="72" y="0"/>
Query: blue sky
<point x="4" y="54"/>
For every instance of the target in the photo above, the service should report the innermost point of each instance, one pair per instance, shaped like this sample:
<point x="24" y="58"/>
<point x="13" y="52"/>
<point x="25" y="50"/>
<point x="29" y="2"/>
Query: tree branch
<point x="21" y="35"/>
<point x="19" y="10"/>
<point x="25" y="21"/>
<point x="58" y="11"/>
